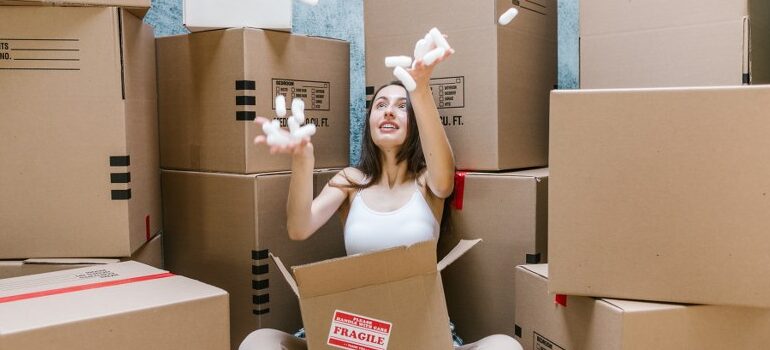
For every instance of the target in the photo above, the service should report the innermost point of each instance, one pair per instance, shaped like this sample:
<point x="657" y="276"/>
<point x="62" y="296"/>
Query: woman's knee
<point x="495" y="342"/>
<point x="271" y="339"/>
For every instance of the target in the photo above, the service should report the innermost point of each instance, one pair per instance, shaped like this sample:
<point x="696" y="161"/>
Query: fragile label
<point x="448" y="92"/>
<point x="356" y="332"/>
<point x="542" y="343"/>
<point x="315" y="94"/>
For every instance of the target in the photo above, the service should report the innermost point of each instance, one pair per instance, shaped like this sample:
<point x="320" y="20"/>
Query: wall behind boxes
<point x="339" y="19"/>
<point x="568" y="71"/>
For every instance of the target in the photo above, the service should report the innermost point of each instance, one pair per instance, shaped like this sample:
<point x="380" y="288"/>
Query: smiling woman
<point x="394" y="196"/>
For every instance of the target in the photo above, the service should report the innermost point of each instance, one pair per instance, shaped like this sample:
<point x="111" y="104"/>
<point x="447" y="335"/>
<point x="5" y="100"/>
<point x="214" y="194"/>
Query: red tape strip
<point x="46" y="293"/>
<point x="561" y="299"/>
<point x="459" y="190"/>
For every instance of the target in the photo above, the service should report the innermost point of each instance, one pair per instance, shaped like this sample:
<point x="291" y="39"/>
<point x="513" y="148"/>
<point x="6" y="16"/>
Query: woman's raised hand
<point x="281" y="142"/>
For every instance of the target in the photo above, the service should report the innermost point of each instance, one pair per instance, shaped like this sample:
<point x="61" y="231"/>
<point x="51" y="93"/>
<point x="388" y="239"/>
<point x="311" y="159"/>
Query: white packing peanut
<point x="274" y="135"/>
<point x="508" y="16"/>
<point x="298" y="110"/>
<point x="280" y="106"/>
<point x="420" y="49"/>
<point x="433" y="55"/>
<point x="405" y="78"/>
<point x="277" y="140"/>
<point x="304" y="131"/>
<point x="401" y="61"/>
<point x="439" y="39"/>
<point x="293" y="125"/>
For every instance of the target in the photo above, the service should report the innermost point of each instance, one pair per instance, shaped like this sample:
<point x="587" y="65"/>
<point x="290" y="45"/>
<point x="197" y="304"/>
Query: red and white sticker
<point x="356" y="332"/>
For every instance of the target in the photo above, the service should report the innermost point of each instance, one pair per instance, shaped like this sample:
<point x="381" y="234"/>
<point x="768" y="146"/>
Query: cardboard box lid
<point x="137" y="7"/>
<point x="74" y="295"/>
<point x="366" y="269"/>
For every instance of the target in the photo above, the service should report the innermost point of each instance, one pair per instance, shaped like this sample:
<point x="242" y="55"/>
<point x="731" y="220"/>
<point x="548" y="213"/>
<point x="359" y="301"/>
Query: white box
<point x="200" y="15"/>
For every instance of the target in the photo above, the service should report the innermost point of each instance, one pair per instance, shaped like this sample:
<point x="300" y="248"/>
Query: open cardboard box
<point x="391" y="298"/>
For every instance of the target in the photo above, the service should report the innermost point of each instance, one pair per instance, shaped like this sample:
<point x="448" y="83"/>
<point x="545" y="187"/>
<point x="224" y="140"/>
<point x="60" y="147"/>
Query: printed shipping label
<point x="356" y="332"/>
<point x="39" y="54"/>
<point x="315" y="94"/>
<point x="448" y="92"/>
<point x="542" y="343"/>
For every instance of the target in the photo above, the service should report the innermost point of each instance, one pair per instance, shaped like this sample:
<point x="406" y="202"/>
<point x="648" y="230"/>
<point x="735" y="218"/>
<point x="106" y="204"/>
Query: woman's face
<point x="389" y="118"/>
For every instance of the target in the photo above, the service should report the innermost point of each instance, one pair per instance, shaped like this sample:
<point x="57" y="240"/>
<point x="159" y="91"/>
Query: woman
<point x="395" y="196"/>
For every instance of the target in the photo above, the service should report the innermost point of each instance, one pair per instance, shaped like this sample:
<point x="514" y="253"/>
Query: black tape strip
<point x="120" y="160"/>
<point x="245" y="85"/>
<point x="370" y="90"/>
<point x="517" y="330"/>
<point x="120" y="195"/>
<point x="261" y="312"/>
<point x="258" y="269"/>
<point x="245" y="100"/>
<point x="533" y="258"/>
<point x="259" y="254"/>
<point x="368" y="103"/>
<point x="245" y="116"/>
<point x="260" y="285"/>
<point x="120" y="178"/>
<point x="260" y="299"/>
<point x="746" y="78"/>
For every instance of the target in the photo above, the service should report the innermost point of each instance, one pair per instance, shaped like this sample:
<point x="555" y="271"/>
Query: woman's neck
<point x="393" y="172"/>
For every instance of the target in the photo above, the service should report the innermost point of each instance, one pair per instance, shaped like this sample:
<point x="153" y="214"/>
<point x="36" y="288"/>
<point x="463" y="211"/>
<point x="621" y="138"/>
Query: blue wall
<point x="339" y="19"/>
<point x="569" y="44"/>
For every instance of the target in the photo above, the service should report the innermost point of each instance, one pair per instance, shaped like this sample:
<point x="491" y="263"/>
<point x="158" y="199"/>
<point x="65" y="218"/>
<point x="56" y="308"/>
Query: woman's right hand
<point x="302" y="147"/>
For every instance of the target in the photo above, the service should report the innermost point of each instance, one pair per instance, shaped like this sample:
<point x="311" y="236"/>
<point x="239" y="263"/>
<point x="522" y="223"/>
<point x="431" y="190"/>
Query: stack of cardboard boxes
<point x="80" y="185"/>
<point x="224" y="197"/>
<point x="492" y="96"/>
<point x="658" y="194"/>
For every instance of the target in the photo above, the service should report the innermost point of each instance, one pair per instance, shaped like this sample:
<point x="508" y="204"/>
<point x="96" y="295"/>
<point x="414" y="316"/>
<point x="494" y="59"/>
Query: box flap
<point x="456" y="252"/>
<point x="538" y="269"/>
<point x="286" y="274"/>
<point x="360" y="270"/>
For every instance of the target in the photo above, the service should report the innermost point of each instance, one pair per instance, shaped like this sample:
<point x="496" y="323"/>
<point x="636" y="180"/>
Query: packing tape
<point x="560" y="299"/>
<point x="459" y="190"/>
<point x="72" y="289"/>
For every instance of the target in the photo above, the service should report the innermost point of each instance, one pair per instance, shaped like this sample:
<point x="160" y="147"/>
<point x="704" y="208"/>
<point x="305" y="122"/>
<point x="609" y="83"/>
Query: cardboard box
<point x="80" y="157"/>
<point x="509" y="211"/>
<point x="220" y="228"/>
<point x="389" y="299"/>
<point x="632" y="44"/>
<point x="492" y="94"/>
<point x="200" y="15"/>
<point x="661" y="194"/>
<point x="609" y="324"/>
<point x="119" y="306"/>
<point x="212" y="84"/>
<point x="151" y="253"/>
<point x="137" y="7"/>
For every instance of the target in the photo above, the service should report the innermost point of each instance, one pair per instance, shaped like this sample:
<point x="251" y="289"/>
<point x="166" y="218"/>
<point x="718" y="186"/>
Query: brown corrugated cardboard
<point x="609" y="324"/>
<point x="151" y="253"/>
<point x="627" y="44"/>
<point x="80" y="157"/>
<point x="389" y="299"/>
<point x="492" y="94"/>
<point x="137" y="7"/>
<point x="211" y="84"/>
<point x="220" y="229"/>
<point x="200" y="15"/>
<point x="661" y="194"/>
<point x="117" y="306"/>
<point x="509" y="211"/>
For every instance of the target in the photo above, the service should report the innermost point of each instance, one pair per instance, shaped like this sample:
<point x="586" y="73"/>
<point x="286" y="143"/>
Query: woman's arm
<point x="435" y="145"/>
<point x="305" y="214"/>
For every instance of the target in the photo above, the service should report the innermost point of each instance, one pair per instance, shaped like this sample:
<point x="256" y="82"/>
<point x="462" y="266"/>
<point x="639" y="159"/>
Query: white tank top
<point x="367" y="229"/>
